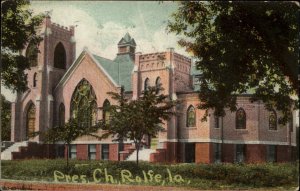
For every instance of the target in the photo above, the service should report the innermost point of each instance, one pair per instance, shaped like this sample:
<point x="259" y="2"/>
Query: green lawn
<point x="201" y="176"/>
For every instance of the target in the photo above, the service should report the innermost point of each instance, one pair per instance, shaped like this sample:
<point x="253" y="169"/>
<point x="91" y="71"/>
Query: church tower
<point x="33" y="109"/>
<point x="127" y="45"/>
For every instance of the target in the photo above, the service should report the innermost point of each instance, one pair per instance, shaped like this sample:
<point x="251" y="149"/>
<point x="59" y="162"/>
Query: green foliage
<point x="66" y="133"/>
<point x="5" y="119"/>
<point x="18" y="27"/>
<point x="201" y="176"/>
<point x="136" y="118"/>
<point x="241" y="47"/>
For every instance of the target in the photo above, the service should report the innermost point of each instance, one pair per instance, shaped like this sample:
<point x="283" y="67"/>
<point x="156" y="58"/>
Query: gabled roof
<point x="127" y="40"/>
<point x="119" y="69"/>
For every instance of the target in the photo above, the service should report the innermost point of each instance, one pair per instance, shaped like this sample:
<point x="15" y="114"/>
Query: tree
<point x="136" y="118"/>
<point x="5" y="119"/>
<point x="66" y="133"/>
<point x="18" y="28"/>
<point x="242" y="47"/>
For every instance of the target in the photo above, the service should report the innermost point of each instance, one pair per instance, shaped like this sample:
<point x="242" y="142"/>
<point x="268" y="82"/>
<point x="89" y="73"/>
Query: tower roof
<point x="127" y="40"/>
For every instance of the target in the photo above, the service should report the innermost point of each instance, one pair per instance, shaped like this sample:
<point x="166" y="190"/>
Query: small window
<point x="191" y="117"/>
<point x="217" y="152"/>
<point x="146" y="84"/>
<point x="217" y="125"/>
<point x="271" y="153"/>
<point x="72" y="152"/>
<point x="240" y="153"/>
<point x="92" y="152"/>
<point x="34" y="79"/>
<point x="272" y="120"/>
<point x="240" y="119"/>
<point x="105" y="152"/>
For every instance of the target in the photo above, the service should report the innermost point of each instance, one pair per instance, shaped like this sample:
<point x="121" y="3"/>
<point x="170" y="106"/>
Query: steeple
<point x="126" y="45"/>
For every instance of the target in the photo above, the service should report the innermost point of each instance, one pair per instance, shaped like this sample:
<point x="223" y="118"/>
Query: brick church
<point x="61" y="86"/>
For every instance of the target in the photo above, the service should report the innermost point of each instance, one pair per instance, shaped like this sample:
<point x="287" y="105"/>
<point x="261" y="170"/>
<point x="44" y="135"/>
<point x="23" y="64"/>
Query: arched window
<point x="191" y="117"/>
<point x="106" y="113"/>
<point x="34" y="79"/>
<point x="61" y="115"/>
<point x="272" y="120"/>
<point x="30" y="126"/>
<point x="240" y="119"/>
<point x="32" y="54"/>
<point x="60" y="56"/>
<point x="157" y="85"/>
<point x="146" y="84"/>
<point x="84" y="104"/>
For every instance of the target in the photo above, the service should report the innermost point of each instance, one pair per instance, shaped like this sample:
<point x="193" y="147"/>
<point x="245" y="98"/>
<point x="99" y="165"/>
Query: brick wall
<point x="256" y="153"/>
<point x="203" y="153"/>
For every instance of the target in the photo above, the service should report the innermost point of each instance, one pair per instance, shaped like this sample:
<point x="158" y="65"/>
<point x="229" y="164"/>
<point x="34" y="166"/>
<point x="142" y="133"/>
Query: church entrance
<point x="30" y="125"/>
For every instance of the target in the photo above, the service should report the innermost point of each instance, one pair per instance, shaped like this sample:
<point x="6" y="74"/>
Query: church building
<point x="61" y="86"/>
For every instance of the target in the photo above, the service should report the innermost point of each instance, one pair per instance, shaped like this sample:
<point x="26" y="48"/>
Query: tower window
<point x="32" y="54"/>
<point x="157" y="85"/>
<point x="146" y="84"/>
<point x="60" y="56"/>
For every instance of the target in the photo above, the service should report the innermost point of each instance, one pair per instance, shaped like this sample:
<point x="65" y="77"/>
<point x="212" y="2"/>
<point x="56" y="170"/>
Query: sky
<point x="100" y="25"/>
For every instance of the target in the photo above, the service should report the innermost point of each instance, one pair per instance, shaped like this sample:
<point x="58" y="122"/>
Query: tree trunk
<point x="137" y="147"/>
<point x="68" y="146"/>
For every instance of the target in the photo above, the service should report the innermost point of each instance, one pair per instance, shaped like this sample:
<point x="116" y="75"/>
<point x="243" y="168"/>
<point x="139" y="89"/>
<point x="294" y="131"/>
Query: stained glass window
<point x="106" y="113"/>
<point x="83" y="104"/>
<point x="32" y="54"/>
<point x="272" y="120"/>
<point x="146" y="84"/>
<point x="30" y="120"/>
<point x="240" y="119"/>
<point x="157" y="85"/>
<point x="60" y="56"/>
<point x="191" y="117"/>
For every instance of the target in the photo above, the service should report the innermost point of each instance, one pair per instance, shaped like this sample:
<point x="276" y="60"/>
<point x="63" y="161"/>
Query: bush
<point x="203" y="176"/>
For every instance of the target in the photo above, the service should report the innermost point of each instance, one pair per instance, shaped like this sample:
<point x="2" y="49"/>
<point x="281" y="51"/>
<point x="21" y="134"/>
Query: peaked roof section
<point x="119" y="69"/>
<point x="127" y="40"/>
<point x="77" y="62"/>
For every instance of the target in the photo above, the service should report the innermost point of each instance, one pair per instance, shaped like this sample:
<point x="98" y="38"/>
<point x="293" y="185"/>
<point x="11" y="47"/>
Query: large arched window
<point x="30" y="126"/>
<point x="106" y="113"/>
<point x="32" y="54"/>
<point x="34" y="79"/>
<point x="84" y="104"/>
<point x="191" y="117"/>
<point x="272" y="120"/>
<point x="157" y="85"/>
<point x="240" y="119"/>
<point x="61" y="114"/>
<point x="60" y="56"/>
<point x="146" y="84"/>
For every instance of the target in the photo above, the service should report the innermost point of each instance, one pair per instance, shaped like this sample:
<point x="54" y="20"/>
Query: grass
<point x="200" y="176"/>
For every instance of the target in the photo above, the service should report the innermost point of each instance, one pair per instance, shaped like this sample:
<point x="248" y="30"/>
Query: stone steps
<point x="144" y="155"/>
<point x="7" y="153"/>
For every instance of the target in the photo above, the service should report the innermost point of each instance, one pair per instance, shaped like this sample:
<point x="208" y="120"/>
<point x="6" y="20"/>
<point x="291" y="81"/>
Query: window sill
<point x="190" y="127"/>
